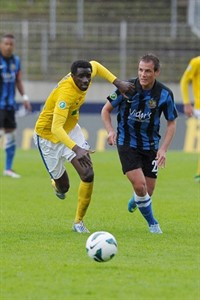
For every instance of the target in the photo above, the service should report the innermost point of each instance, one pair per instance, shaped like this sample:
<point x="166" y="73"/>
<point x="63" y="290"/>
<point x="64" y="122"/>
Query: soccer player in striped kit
<point x="10" y="79"/>
<point x="137" y="137"/>
<point x="59" y="138"/>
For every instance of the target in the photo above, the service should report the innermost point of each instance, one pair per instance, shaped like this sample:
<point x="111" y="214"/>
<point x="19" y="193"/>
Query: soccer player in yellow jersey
<point x="59" y="138"/>
<point x="192" y="76"/>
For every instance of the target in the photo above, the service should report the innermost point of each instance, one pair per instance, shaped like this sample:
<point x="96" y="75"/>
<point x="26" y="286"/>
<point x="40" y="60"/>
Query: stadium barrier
<point x="187" y="136"/>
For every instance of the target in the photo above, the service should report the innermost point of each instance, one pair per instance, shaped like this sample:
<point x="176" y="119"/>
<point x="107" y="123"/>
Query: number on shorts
<point x="155" y="166"/>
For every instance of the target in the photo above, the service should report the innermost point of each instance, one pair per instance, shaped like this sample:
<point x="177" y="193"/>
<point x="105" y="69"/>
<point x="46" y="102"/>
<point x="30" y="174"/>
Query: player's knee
<point x="140" y="188"/>
<point x="87" y="176"/>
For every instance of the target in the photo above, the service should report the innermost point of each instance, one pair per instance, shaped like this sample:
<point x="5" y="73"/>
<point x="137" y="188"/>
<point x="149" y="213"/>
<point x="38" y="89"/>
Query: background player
<point x="10" y="78"/>
<point x="192" y="76"/>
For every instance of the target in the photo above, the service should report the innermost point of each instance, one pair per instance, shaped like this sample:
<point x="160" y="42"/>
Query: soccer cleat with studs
<point x="155" y="228"/>
<point x="132" y="205"/>
<point x="80" y="228"/>
<point x="11" y="173"/>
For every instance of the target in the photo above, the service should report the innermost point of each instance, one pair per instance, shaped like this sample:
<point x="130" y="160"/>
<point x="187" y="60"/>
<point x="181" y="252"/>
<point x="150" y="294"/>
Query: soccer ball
<point x="101" y="246"/>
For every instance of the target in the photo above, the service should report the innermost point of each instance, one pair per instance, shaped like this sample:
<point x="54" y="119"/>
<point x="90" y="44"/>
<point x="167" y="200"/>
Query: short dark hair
<point x="80" y="64"/>
<point x="8" y="35"/>
<point x="151" y="57"/>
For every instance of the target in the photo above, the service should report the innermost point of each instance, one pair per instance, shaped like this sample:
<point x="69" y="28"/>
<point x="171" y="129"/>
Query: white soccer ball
<point x="101" y="246"/>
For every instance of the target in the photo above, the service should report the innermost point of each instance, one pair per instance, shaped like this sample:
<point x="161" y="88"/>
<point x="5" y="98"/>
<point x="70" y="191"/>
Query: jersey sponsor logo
<point x="8" y="77"/>
<point x="13" y="67"/>
<point x="152" y="103"/>
<point x="62" y="104"/>
<point x="139" y="116"/>
<point x="113" y="96"/>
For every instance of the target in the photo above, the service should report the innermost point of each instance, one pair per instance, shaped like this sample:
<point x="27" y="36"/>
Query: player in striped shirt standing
<point x="137" y="137"/>
<point x="10" y="79"/>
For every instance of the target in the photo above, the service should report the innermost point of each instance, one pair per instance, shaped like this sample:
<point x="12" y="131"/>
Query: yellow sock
<point x="84" y="197"/>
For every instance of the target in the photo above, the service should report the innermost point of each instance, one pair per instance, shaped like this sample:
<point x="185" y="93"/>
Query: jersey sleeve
<point x="170" y="111"/>
<point x="58" y="130"/>
<point x="63" y="100"/>
<point x="115" y="98"/>
<point x="61" y="108"/>
<point x="100" y="70"/>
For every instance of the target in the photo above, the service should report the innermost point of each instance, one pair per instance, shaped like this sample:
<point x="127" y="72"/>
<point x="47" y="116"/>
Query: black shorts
<point x="7" y="119"/>
<point x="132" y="159"/>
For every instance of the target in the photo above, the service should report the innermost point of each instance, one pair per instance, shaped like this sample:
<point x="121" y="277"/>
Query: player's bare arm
<point x="20" y="88"/>
<point x="106" y="117"/>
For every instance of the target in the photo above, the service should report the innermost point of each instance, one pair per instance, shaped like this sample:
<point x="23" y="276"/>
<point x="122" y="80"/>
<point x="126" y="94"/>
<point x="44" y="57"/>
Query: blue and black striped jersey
<point x="9" y="67"/>
<point x="138" y="117"/>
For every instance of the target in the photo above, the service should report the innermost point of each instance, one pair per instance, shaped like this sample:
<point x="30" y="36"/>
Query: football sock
<point x="10" y="147"/>
<point x="145" y="206"/>
<point x="84" y="197"/>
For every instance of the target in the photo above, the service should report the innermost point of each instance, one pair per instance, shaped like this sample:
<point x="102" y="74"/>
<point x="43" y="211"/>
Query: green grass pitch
<point x="43" y="259"/>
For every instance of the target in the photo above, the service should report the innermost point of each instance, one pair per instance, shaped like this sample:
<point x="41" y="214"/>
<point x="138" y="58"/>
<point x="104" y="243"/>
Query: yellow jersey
<point x="191" y="75"/>
<point x="61" y="109"/>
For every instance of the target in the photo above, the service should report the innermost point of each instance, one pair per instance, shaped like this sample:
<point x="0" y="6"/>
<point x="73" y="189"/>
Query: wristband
<point x="25" y="97"/>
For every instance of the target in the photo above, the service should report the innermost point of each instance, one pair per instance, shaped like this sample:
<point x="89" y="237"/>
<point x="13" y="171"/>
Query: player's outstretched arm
<point x="100" y="70"/>
<point x="20" y="88"/>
